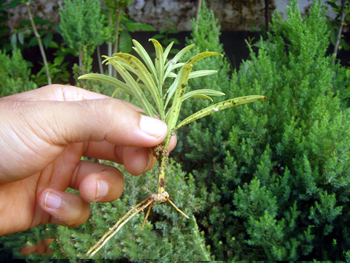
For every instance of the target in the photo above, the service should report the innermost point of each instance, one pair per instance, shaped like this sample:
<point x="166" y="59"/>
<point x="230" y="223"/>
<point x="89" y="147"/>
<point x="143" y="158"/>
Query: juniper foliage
<point x="81" y="24"/>
<point x="277" y="173"/>
<point x="14" y="74"/>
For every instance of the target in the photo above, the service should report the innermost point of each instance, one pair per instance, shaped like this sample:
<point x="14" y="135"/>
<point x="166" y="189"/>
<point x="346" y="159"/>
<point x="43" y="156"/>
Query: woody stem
<point x="162" y="156"/>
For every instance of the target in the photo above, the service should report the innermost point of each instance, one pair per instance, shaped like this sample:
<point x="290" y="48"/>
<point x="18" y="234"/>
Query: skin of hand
<point x="43" y="135"/>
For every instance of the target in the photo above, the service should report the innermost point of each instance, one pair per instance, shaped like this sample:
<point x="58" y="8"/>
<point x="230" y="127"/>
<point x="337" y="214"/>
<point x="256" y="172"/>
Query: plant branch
<point x="340" y="30"/>
<point x="39" y="42"/>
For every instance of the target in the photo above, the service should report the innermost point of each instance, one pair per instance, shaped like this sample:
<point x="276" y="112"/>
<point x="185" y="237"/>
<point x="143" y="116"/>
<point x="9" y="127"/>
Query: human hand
<point x="43" y="135"/>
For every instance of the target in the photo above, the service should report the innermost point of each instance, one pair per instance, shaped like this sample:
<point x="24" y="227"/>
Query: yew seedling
<point x="142" y="77"/>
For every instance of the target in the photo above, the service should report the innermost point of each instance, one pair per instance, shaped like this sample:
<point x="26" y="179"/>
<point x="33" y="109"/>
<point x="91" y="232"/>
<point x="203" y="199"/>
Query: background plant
<point x="118" y="27"/>
<point x="14" y="74"/>
<point x="277" y="172"/>
<point x="81" y="26"/>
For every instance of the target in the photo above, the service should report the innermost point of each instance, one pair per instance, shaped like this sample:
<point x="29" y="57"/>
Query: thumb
<point x="112" y="120"/>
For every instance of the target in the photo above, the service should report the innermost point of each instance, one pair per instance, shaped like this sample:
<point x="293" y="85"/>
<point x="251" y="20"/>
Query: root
<point x="145" y="220"/>
<point x="178" y="209"/>
<point x="159" y="198"/>
<point x="114" y="230"/>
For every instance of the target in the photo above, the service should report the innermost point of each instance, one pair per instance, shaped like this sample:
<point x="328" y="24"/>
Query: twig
<point x="339" y="31"/>
<point x="39" y="42"/>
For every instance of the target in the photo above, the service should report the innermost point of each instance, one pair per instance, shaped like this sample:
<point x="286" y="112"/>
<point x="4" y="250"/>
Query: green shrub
<point x="277" y="173"/>
<point x="14" y="74"/>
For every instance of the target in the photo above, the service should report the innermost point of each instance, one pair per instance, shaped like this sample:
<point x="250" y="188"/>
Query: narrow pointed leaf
<point x="199" y="56"/>
<point x="180" y="92"/>
<point x="109" y="80"/>
<point x="115" y="92"/>
<point x="203" y="93"/>
<point x="172" y="75"/>
<point x="159" y="63"/>
<point x="145" y="57"/>
<point x="218" y="107"/>
<point x="200" y="96"/>
<point x="202" y="73"/>
<point x="167" y="51"/>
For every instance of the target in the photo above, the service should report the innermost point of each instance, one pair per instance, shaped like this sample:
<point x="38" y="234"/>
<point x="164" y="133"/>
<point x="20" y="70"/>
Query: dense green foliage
<point x="277" y="172"/>
<point x="81" y="24"/>
<point x="14" y="74"/>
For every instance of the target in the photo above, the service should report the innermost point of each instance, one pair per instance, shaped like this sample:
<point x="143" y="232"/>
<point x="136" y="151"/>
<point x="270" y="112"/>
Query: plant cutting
<point x="147" y="82"/>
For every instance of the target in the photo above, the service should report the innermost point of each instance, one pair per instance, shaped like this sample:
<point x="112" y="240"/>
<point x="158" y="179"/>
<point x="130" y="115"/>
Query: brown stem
<point x="117" y="29"/>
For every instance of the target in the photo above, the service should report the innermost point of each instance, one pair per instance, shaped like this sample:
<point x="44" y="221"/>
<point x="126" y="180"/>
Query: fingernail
<point x="52" y="200"/>
<point x="102" y="189"/>
<point x="152" y="126"/>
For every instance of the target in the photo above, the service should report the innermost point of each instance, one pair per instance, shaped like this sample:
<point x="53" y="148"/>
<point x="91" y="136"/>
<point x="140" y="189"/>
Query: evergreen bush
<point x="14" y="74"/>
<point x="277" y="174"/>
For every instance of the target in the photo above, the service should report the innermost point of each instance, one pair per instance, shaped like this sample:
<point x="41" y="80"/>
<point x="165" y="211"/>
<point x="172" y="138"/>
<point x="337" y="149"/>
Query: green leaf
<point x="53" y="44"/>
<point x="109" y="80"/>
<point x="202" y="93"/>
<point x="218" y="107"/>
<point x="178" y="97"/>
<point x="159" y="61"/>
<point x="58" y="60"/>
<point x="202" y="73"/>
<point x="20" y="38"/>
<point x="47" y="39"/>
<point x="146" y="58"/>
<point x="125" y="41"/>
<point x="167" y="51"/>
<point x="132" y="26"/>
<point x="158" y="36"/>
<point x="14" y="3"/>
<point x="13" y="40"/>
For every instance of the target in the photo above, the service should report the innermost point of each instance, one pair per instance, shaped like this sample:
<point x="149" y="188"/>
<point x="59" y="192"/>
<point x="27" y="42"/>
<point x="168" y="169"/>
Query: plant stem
<point x="115" y="50"/>
<point x="162" y="156"/>
<point x="99" y="58"/>
<point x="117" y="29"/>
<point x="342" y="17"/>
<point x="110" y="69"/>
<point x="39" y="42"/>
